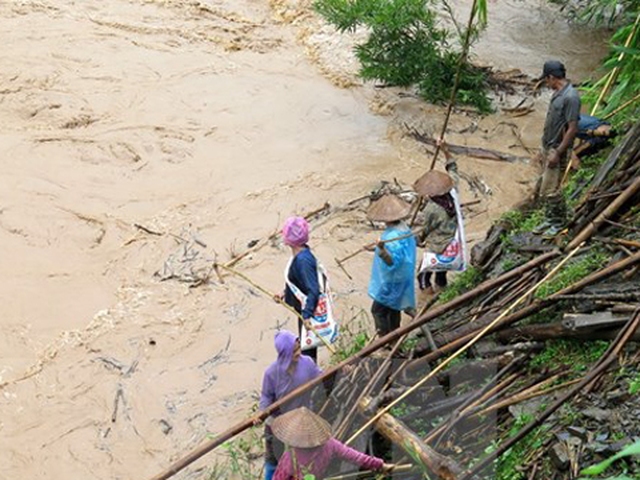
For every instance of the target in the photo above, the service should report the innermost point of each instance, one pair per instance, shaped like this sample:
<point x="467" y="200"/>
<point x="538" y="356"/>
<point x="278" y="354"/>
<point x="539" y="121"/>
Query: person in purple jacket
<point x="301" y="275"/>
<point x="313" y="450"/>
<point x="288" y="372"/>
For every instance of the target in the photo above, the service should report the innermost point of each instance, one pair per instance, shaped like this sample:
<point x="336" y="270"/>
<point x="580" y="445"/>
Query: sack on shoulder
<point x="323" y="322"/>
<point x="454" y="257"/>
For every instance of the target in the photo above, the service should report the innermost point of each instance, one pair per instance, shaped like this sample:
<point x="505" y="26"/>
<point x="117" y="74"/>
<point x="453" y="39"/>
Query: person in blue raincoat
<point x="393" y="271"/>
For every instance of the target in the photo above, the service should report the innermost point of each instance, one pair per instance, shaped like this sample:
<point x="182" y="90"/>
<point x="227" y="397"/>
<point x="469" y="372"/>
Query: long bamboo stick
<point x="622" y="107"/>
<point x="259" y="417"/>
<point x="613" y="75"/>
<point x="613" y="207"/>
<point x="368" y="246"/>
<point x="466" y="347"/>
<point x="305" y="322"/>
<point x="456" y="82"/>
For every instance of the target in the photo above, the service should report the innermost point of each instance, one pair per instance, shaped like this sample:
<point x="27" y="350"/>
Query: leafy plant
<point x="518" y="221"/>
<point x="598" y="468"/>
<point x="572" y="272"/>
<point x="463" y="282"/>
<point x="349" y="345"/>
<point x="506" y="468"/>
<point x="623" y="15"/>
<point x="575" y="353"/>
<point x="407" y="46"/>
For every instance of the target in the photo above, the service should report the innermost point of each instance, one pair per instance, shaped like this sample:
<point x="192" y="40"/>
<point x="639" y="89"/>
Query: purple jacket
<point x="277" y="382"/>
<point x="317" y="460"/>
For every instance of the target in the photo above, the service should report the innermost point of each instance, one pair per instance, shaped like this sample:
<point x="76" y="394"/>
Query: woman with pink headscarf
<point x="302" y="273"/>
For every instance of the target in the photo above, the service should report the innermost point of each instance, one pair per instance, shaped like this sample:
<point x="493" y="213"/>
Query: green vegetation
<point x="241" y="454"/>
<point x="573" y="271"/>
<point x="508" y="463"/>
<point x="407" y="46"/>
<point x="352" y="339"/>
<point x="517" y="221"/>
<point x="632" y="450"/>
<point x="579" y="355"/>
<point x="463" y="282"/>
<point x="622" y="15"/>
<point x="588" y="168"/>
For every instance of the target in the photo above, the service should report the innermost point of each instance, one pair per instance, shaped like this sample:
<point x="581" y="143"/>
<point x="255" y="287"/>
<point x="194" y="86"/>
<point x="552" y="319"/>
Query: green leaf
<point x="598" y="468"/>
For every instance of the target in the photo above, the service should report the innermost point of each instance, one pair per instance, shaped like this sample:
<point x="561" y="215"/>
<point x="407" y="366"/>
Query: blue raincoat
<point x="392" y="285"/>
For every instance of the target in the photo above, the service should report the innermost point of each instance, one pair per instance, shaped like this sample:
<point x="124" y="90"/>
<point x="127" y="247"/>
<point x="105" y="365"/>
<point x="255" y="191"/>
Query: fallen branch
<point x="476" y="152"/>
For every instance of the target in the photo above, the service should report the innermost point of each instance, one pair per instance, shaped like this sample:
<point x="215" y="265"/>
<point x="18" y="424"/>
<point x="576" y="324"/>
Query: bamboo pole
<point x="613" y="207"/>
<point x="259" y="417"/>
<point x="305" y="322"/>
<point x="622" y="107"/>
<point x="467" y="345"/>
<point x="342" y="427"/>
<point x="456" y="82"/>
<point x="371" y="245"/>
<point x="613" y="75"/>
<point x="407" y="467"/>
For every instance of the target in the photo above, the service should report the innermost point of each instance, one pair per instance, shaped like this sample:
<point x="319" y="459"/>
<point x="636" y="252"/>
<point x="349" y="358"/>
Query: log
<point x="398" y="433"/>
<point x="477" y="152"/>
<point x="553" y="331"/>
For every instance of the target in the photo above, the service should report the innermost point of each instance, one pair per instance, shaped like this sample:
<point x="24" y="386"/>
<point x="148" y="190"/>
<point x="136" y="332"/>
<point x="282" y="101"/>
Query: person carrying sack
<point x="442" y="235"/>
<point x="306" y="289"/>
<point x="312" y="450"/>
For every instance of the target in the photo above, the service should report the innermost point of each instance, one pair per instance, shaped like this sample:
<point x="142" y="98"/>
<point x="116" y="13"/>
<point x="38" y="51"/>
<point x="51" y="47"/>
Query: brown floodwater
<point x="208" y="120"/>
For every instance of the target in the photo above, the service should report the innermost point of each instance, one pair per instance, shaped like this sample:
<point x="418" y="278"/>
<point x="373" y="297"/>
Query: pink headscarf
<point x="295" y="232"/>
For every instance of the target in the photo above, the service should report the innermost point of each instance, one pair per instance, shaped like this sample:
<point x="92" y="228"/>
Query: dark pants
<point x="312" y="352"/>
<point x="424" y="279"/>
<point x="386" y="319"/>
<point x="273" y="448"/>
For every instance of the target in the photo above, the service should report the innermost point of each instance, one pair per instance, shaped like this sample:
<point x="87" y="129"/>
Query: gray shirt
<point x="563" y="108"/>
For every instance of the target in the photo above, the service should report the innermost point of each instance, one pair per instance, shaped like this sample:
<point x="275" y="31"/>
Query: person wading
<point x="560" y="129"/>
<point x="392" y="273"/>
<point x="313" y="450"/>
<point x="302" y="274"/>
<point x="288" y="372"/>
<point x="438" y="218"/>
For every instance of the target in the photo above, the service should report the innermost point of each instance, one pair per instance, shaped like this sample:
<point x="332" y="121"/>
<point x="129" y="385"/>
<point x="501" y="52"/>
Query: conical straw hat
<point x="433" y="184"/>
<point x="301" y="428"/>
<point x="388" y="208"/>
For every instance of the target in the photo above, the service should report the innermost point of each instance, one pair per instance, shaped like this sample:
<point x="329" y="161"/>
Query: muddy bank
<point x="207" y="118"/>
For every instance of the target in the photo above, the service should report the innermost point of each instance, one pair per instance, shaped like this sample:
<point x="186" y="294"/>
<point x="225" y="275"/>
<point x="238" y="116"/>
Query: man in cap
<point x="560" y="129"/>
<point x="392" y="273"/>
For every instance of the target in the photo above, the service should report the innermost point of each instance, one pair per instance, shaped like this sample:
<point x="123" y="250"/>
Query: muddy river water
<point x="204" y="120"/>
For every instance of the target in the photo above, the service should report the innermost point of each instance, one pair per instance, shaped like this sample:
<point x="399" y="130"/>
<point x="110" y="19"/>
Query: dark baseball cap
<point x="553" y="67"/>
